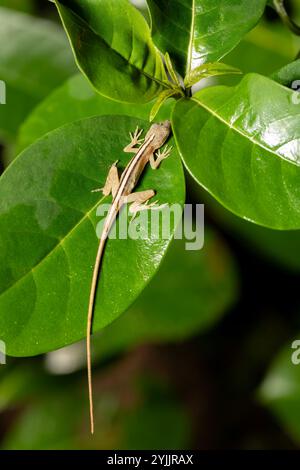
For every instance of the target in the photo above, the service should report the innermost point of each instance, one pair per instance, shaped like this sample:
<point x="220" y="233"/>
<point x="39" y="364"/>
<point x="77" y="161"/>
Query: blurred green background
<point x="208" y="369"/>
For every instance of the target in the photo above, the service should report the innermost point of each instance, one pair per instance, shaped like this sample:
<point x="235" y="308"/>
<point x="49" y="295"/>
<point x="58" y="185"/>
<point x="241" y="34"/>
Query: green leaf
<point x="34" y="59"/>
<point x="209" y="70"/>
<point x="48" y="240"/>
<point x="113" y="48"/>
<point x="288" y="74"/>
<point x="172" y="72"/>
<point x="195" y="31"/>
<point x="243" y="146"/>
<point x="205" y="283"/>
<point x="75" y="100"/>
<point x="280" y="390"/>
<point x="161" y="100"/>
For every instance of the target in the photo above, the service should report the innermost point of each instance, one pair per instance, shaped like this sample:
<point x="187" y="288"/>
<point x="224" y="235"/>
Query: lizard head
<point x="161" y="131"/>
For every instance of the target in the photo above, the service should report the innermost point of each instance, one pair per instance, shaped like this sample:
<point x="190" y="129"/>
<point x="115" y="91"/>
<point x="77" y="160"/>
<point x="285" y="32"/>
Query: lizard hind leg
<point x="112" y="182"/>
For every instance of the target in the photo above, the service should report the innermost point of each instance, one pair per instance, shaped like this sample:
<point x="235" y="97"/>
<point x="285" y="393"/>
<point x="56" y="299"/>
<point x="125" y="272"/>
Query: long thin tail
<point x="89" y="326"/>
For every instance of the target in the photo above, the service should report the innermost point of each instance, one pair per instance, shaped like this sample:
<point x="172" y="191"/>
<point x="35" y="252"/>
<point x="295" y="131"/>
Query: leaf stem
<point x="280" y="8"/>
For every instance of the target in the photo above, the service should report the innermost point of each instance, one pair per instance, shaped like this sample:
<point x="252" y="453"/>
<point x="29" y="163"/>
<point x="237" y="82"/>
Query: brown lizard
<point x="121" y="190"/>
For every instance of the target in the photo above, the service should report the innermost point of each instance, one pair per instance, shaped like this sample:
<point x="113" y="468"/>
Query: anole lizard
<point x="121" y="190"/>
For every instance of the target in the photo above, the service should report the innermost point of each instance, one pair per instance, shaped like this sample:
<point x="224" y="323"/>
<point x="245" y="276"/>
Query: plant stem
<point x="280" y="8"/>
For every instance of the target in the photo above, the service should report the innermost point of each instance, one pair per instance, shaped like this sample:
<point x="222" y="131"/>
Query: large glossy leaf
<point x="113" y="48"/>
<point x="48" y="239"/>
<point x="34" y="59"/>
<point x="199" y="31"/>
<point x="280" y="390"/>
<point x="243" y="146"/>
<point x="75" y="100"/>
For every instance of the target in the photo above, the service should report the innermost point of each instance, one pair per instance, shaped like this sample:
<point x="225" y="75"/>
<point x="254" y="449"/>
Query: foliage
<point x="51" y="226"/>
<point x="237" y="136"/>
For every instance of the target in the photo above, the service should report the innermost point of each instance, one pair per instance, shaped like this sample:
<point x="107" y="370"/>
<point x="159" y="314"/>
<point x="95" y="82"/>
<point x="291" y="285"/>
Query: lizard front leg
<point x="112" y="182"/>
<point x="135" y="140"/>
<point x="160" y="156"/>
